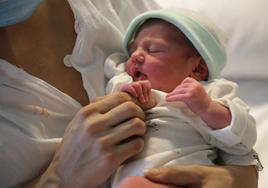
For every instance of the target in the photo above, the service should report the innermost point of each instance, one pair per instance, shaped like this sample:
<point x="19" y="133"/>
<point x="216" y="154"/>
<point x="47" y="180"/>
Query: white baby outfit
<point x="175" y="135"/>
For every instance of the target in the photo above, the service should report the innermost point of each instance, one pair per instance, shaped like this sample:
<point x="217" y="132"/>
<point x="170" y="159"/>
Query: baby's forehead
<point x="171" y="31"/>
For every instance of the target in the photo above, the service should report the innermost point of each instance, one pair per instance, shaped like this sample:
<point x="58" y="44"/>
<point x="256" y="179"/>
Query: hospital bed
<point x="103" y="23"/>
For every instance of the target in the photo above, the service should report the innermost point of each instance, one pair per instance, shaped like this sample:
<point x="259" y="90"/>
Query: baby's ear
<point x="200" y="72"/>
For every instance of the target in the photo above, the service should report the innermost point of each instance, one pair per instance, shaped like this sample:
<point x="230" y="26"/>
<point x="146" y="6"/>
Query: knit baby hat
<point x="209" y="40"/>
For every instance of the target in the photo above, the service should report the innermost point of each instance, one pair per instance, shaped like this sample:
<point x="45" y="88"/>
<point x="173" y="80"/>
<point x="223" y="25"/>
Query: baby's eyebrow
<point x="131" y="45"/>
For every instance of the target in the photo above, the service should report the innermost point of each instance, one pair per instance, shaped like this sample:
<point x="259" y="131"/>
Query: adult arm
<point x="198" y="176"/>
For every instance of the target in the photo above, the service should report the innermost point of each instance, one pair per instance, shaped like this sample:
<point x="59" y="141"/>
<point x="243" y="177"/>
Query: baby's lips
<point x="132" y="71"/>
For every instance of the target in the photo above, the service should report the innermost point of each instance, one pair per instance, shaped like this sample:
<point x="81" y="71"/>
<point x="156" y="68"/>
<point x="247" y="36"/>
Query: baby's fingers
<point x="139" y="90"/>
<point x="130" y="89"/>
<point x="176" y="95"/>
<point x="146" y="88"/>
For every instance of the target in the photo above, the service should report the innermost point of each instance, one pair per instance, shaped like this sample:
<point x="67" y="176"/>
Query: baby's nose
<point x="138" y="56"/>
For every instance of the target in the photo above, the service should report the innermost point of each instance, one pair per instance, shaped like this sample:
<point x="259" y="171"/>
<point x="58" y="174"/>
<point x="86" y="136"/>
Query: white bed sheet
<point x="103" y="24"/>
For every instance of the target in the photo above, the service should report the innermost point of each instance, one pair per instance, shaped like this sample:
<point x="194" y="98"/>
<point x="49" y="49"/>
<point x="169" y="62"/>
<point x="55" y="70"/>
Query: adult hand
<point x="101" y="136"/>
<point x="197" y="176"/>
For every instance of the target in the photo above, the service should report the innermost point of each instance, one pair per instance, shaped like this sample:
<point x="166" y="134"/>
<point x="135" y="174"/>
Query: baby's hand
<point x="141" y="92"/>
<point x="139" y="89"/>
<point x="192" y="93"/>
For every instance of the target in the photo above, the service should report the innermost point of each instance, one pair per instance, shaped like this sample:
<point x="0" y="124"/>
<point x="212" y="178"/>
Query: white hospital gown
<point x="33" y="117"/>
<point x="175" y="135"/>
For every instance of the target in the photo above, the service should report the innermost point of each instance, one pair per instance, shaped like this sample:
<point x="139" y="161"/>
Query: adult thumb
<point x="185" y="175"/>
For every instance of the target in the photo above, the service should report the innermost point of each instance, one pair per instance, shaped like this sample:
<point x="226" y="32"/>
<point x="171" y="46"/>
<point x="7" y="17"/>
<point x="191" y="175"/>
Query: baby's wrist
<point x="216" y="116"/>
<point x="204" y="109"/>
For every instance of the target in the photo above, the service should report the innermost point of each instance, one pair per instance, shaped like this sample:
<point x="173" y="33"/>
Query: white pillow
<point x="245" y="23"/>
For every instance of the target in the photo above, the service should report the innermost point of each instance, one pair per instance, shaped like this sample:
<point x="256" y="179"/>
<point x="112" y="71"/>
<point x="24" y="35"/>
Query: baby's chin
<point x="163" y="89"/>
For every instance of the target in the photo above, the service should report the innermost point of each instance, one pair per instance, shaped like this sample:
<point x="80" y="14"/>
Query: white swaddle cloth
<point x="102" y="26"/>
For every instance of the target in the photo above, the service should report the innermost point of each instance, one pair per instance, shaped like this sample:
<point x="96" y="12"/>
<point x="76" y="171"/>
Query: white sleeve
<point x="116" y="82"/>
<point x="114" y="70"/>
<point x="250" y="158"/>
<point x="240" y="136"/>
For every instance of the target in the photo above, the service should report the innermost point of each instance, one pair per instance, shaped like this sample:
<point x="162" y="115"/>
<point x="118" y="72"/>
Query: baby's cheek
<point x="129" y="67"/>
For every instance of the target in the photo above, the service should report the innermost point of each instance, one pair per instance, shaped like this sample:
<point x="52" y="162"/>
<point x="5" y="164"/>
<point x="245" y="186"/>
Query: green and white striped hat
<point x="208" y="39"/>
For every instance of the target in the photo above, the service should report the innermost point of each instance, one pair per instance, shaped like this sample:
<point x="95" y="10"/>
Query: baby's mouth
<point x="139" y="76"/>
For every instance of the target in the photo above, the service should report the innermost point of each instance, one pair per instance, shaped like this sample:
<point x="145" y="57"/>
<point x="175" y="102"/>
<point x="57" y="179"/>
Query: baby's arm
<point x="192" y="93"/>
<point x="238" y="136"/>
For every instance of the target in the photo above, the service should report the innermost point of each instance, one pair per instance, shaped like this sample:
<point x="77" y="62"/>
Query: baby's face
<point x="161" y="54"/>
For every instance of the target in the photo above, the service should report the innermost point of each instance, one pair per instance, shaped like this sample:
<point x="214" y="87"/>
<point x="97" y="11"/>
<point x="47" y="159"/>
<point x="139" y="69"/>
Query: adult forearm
<point x="243" y="176"/>
<point x="205" y="176"/>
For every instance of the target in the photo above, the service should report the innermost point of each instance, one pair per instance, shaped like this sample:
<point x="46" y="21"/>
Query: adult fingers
<point x="200" y="176"/>
<point x="97" y="124"/>
<point x="121" y="142"/>
<point x="97" y="99"/>
<point x="126" y="130"/>
<point x="177" y="175"/>
<point x="106" y="103"/>
<point x="124" y="112"/>
<point x="129" y="149"/>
